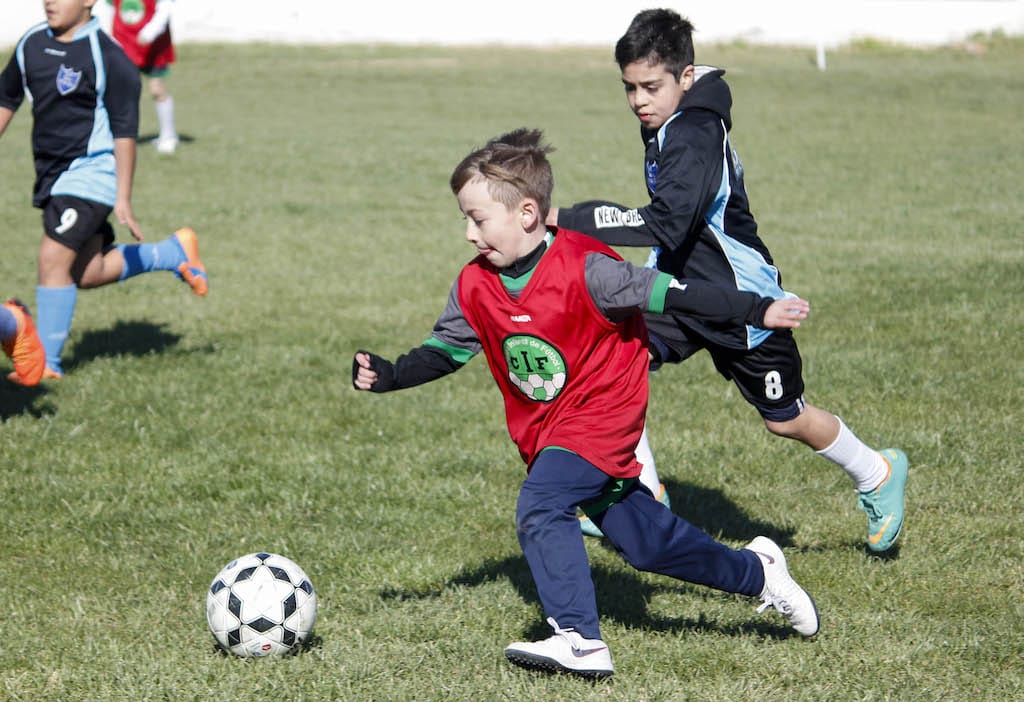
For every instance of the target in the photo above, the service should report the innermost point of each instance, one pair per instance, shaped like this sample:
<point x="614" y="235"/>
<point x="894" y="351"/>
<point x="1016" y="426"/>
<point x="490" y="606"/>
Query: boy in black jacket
<point x="700" y="226"/>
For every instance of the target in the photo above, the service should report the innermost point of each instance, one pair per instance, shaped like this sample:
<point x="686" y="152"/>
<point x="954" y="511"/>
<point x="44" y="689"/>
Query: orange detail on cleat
<point x="25" y="349"/>
<point x="875" y="538"/>
<point x="50" y="374"/>
<point x="192" y="270"/>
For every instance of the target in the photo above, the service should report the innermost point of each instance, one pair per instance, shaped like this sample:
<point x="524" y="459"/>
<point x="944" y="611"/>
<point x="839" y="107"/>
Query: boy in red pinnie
<point x="143" y="29"/>
<point x="558" y="317"/>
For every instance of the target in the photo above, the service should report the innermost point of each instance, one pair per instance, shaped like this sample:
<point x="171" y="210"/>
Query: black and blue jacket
<point x="699" y="220"/>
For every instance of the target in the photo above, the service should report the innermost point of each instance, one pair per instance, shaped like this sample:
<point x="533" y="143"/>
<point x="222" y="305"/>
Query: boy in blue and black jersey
<point x="700" y="226"/>
<point x="85" y="108"/>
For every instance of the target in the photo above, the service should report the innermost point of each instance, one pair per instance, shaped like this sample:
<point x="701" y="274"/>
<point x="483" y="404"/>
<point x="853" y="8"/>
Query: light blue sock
<point x="54" y="309"/>
<point x="8" y="324"/>
<point x="142" y="258"/>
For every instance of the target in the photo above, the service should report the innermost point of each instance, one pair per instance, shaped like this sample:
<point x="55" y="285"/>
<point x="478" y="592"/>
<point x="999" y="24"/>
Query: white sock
<point x="863" y="464"/>
<point x="165" y="117"/>
<point x="649" y="474"/>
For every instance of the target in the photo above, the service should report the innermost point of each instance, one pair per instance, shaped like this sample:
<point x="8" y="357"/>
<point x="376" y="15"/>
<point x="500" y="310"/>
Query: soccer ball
<point x="260" y="605"/>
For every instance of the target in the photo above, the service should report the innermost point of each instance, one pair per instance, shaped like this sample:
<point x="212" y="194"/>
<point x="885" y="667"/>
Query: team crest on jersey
<point x="67" y="79"/>
<point x="132" y="11"/>
<point x="651" y="174"/>
<point x="535" y="367"/>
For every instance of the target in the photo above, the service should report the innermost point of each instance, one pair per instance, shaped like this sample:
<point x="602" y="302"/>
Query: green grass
<point x="188" y="431"/>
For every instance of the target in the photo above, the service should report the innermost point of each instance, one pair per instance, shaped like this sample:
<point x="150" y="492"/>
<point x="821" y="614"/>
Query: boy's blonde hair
<point x="515" y="166"/>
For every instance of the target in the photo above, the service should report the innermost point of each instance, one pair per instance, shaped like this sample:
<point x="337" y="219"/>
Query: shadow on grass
<point x="892" y="554"/>
<point x="132" y="338"/>
<point x="713" y="512"/>
<point x="124" y="338"/>
<point x="623" y="595"/>
<point x="152" y="137"/>
<point x="16" y="400"/>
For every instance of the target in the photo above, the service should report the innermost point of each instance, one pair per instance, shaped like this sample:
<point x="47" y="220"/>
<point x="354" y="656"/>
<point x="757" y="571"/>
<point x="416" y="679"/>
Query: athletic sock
<point x="165" y="118"/>
<point x="649" y="474"/>
<point x="863" y="464"/>
<point x="8" y="324"/>
<point x="55" y="308"/>
<point x="142" y="258"/>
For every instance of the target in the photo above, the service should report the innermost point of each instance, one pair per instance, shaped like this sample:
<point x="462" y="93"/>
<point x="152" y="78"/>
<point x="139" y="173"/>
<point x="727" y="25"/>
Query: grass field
<point x="189" y="431"/>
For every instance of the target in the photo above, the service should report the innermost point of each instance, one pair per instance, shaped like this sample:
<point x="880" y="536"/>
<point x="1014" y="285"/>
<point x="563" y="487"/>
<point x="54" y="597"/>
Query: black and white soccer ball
<point x="261" y="604"/>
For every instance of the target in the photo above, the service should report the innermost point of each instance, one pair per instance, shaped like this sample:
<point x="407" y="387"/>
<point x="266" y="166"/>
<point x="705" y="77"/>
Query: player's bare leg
<point x="95" y="267"/>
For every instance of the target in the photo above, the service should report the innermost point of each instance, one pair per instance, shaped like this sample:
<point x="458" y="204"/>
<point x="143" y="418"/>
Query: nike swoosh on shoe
<point x="877" y="536"/>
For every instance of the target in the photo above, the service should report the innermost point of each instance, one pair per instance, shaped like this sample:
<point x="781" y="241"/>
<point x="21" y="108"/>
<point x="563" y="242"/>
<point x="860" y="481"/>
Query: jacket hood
<point x="709" y="92"/>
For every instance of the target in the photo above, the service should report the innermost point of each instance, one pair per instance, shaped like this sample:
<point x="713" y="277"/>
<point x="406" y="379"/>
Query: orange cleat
<point x="192" y="270"/>
<point x="25" y="349"/>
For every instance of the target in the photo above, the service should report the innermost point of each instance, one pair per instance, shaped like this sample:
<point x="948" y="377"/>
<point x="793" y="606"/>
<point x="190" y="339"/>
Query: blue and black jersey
<point x="699" y="218"/>
<point x="84" y="94"/>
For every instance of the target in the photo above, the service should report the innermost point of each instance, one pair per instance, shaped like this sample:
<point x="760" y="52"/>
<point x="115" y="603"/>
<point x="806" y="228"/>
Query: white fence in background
<point x="821" y="23"/>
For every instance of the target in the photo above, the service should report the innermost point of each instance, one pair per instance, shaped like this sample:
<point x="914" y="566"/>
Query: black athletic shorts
<point x="770" y="375"/>
<point x="73" y="221"/>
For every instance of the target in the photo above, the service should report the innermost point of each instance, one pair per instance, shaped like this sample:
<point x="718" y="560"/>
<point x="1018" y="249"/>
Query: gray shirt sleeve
<point x="452" y="332"/>
<point x="619" y="288"/>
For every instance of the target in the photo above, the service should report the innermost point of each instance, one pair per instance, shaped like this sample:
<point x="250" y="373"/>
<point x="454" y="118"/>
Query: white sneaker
<point x="166" y="145"/>
<point x="565" y="652"/>
<point x="781" y="591"/>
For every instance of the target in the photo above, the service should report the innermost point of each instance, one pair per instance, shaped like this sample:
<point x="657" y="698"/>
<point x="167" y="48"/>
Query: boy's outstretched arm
<point x="421" y="365"/>
<point x="620" y="288"/>
<point x="451" y="345"/>
<point x="715" y="303"/>
<point x="608" y="222"/>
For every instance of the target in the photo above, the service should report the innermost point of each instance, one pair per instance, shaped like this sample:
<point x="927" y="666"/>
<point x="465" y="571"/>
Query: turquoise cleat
<point x="663" y="496"/>
<point x="588" y="527"/>
<point x="884" y="505"/>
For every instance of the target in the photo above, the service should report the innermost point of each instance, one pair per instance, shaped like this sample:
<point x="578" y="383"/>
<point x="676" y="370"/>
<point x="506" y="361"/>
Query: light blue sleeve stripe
<point x="19" y="51"/>
<point x="652" y="257"/>
<point x="102" y="138"/>
<point x="751" y="272"/>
